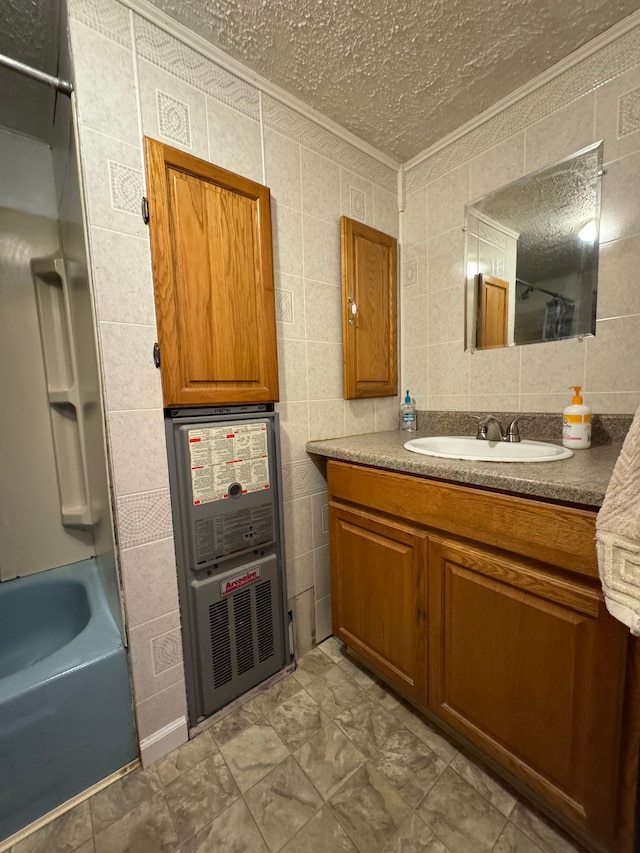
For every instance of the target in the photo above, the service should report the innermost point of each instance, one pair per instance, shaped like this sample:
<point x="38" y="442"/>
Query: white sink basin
<point x="478" y="450"/>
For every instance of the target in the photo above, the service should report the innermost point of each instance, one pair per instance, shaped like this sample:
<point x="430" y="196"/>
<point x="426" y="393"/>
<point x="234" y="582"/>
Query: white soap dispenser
<point x="576" y="423"/>
<point x="408" y="414"/>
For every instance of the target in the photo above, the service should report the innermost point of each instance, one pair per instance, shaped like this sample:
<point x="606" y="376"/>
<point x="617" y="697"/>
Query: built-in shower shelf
<point x="66" y="406"/>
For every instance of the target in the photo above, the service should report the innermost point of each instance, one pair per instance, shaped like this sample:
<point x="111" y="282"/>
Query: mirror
<point x="531" y="256"/>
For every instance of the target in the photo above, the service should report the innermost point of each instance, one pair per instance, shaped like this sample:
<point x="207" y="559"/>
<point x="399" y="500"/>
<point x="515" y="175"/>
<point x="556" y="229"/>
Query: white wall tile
<point x="323" y="619"/>
<point x="298" y="527"/>
<point x="322" y="571"/>
<point x="613" y="364"/>
<point x="495" y="371"/>
<point x="172" y="111"/>
<point x="321" y="251"/>
<point x="387" y="409"/>
<point x="234" y="141"/>
<point x="299" y="574"/>
<point x="294" y="430"/>
<point x="161" y="710"/>
<point x="552" y="366"/>
<point x="283" y="167"/>
<point x="155" y="651"/>
<point x="320" y="187"/>
<point x="287" y="239"/>
<point x="446" y="315"/>
<point x="113" y="183"/>
<point x="149" y="579"/>
<point x="618" y="293"/>
<point x="357" y="197"/>
<point x="499" y="165"/>
<point x="292" y="370"/>
<point x="416" y="324"/>
<point x="385" y="211"/>
<point x="323" y="311"/>
<point x="446" y="260"/>
<point x="560" y="134"/>
<point x="131" y="379"/>
<point x="620" y="214"/>
<point x="324" y="371"/>
<point x="326" y="419"/>
<point x="359" y="416"/>
<point x="320" y="519"/>
<point x="448" y="369"/>
<point x="446" y="199"/>
<point x="109" y="107"/>
<point x="415" y="217"/>
<point x="122" y="277"/>
<point x="138" y="451"/>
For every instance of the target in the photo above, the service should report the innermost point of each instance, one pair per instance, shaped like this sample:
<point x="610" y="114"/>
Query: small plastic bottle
<point x="408" y="414"/>
<point x="576" y="423"/>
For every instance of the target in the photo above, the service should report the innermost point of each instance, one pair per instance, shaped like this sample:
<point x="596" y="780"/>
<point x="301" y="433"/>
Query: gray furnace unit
<point x="226" y="498"/>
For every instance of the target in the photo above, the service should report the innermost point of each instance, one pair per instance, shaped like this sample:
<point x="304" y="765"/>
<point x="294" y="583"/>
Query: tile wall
<point x="133" y="78"/>
<point x="598" y="98"/>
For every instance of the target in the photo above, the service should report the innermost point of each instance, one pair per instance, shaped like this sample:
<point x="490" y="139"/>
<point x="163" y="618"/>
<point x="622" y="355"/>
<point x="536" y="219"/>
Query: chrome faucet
<point x="490" y="429"/>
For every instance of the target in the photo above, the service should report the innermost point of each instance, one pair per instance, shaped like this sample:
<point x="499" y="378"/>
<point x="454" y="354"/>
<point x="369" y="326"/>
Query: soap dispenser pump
<point x="576" y="423"/>
<point x="408" y="414"/>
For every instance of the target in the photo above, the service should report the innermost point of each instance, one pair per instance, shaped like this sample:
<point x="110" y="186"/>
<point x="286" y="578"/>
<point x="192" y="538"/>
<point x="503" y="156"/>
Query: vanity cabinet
<point x="379" y="583"/>
<point x="485" y="610"/>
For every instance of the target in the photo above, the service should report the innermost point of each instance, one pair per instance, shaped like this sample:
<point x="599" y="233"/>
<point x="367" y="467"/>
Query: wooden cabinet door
<point x="530" y="667"/>
<point x="378" y="589"/>
<point x="493" y="312"/>
<point x="213" y="278"/>
<point x="369" y="311"/>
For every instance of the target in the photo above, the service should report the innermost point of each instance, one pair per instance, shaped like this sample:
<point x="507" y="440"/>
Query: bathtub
<point x="66" y="718"/>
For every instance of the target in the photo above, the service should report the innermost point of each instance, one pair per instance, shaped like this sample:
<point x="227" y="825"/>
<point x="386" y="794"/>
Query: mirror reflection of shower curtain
<point x="558" y="319"/>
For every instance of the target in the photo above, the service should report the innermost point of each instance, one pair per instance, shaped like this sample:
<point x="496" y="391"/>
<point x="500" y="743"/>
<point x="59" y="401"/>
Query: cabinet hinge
<point x="145" y="210"/>
<point x="156" y="354"/>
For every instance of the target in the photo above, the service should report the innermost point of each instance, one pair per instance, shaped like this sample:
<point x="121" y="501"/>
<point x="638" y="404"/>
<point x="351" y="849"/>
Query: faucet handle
<point x="513" y="433"/>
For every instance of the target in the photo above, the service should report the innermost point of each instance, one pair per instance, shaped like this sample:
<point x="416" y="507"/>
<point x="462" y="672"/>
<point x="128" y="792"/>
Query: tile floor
<point x="326" y="761"/>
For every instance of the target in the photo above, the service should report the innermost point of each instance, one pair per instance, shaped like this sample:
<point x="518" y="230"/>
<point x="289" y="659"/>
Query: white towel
<point x="618" y="534"/>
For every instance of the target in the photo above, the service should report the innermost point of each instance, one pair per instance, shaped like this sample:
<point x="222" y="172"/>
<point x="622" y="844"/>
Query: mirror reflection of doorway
<point x="493" y="312"/>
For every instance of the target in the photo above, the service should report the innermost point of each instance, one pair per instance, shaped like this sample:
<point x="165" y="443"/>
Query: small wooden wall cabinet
<point x="210" y="233"/>
<point x="486" y="612"/>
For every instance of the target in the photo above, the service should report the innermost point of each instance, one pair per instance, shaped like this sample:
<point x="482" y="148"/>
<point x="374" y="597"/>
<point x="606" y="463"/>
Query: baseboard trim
<point x="163" y="741"/>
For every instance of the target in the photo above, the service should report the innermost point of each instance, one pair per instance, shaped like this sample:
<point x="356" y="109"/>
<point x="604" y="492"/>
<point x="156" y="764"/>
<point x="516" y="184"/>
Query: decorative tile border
<point x="301" y="479"/>
<point x="298" y="127"/>
<point x="284" y="306"/>
<point x="125" y="186"/>
<point x="606" y="64"/>
<point x="107" y="17"/>
<point x="629" y="113"/>
<point x="325" y="518"/>
<point x="144" y="517"/>
<point x="173" y="119"/>
<point x="166" y="651"/>
<point x="358" y="204"/>
<point x="176" y="58"/>
<point x="410" y="273"/>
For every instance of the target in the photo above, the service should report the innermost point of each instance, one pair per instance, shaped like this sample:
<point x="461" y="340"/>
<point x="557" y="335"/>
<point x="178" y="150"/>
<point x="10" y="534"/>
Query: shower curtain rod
<point x="64" y="86"/>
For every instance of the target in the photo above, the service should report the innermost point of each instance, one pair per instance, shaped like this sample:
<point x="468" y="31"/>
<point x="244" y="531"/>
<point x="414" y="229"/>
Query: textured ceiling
<point x="400" y="74"/>
<point x="29" y="33"/>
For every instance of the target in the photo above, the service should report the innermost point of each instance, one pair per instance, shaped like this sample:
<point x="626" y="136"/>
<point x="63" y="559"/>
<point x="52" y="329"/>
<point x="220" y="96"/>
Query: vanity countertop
<point x="582" y="479"/>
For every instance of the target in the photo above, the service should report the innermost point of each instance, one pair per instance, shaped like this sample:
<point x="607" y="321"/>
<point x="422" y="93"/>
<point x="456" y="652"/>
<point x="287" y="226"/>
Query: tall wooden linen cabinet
<point x="212" y="260"/>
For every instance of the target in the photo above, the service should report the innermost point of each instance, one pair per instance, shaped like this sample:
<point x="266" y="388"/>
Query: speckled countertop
<point x="582" y="479"/>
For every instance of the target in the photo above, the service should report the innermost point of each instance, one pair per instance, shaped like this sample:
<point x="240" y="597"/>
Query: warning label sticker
<point x="227" y="455"/>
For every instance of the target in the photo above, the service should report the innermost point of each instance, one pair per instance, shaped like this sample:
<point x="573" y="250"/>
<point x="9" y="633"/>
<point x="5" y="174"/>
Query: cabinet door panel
<point x="379" y="595"/>
<point x="531" y="673"/>
<point x="369" y="282"/>
<point x="210" y="234"/>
